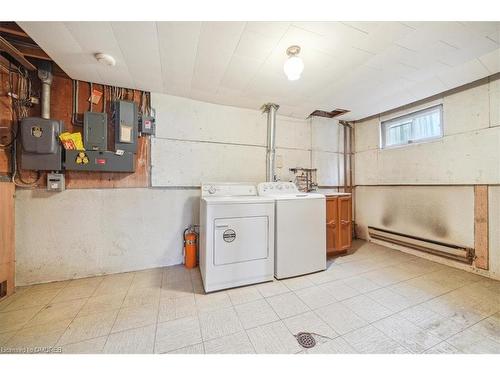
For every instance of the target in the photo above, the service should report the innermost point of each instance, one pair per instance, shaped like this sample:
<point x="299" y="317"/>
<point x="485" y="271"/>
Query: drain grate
<point x="305" y="339"/>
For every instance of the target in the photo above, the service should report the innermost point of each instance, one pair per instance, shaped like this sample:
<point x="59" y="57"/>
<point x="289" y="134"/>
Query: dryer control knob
<point x="212" y="190"/>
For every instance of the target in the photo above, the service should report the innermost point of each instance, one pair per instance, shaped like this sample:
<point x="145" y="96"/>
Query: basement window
<point x="415" y="127"/>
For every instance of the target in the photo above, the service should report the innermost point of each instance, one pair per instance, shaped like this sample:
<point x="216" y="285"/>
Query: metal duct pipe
<point x="270" y="109"/>
<point x="46" y="78"/>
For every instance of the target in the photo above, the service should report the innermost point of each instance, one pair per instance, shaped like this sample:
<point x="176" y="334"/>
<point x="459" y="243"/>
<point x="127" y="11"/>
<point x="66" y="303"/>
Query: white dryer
<point x="236" y="236"/>
<point x="300" y="229"/>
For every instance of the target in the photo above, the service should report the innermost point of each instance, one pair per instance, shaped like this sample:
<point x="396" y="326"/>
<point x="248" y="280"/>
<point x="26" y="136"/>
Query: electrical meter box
<point x="147" y="124"/>
<point x="55" y="182"/>
<point x="126" y="125"/>
<point x="95" y="130"/>
<point x="41" y="148"/>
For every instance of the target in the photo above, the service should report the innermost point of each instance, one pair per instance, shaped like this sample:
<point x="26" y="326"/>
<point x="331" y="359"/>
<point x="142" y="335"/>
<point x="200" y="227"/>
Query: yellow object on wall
<point x="72" y="141"/>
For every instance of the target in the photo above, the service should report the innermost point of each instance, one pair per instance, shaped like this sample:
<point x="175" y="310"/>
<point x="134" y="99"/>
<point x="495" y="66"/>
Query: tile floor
<point x="375" y="300"/>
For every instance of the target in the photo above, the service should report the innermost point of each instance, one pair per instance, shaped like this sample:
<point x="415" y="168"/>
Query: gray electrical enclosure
<point x="103" y="161"/>
<point x="95" y="130"/>
<point x="55" y="182"/>
<point x="41" y="148"/>
<point x="147" y="125"/>
<point x="126" y="125"/>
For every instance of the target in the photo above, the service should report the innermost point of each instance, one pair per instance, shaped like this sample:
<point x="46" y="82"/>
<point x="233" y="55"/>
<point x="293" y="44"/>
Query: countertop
<point x="330" y="192"/>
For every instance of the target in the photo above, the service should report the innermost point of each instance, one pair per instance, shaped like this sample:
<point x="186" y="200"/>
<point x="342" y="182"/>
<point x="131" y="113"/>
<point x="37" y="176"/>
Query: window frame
<point x="411" y="115"/>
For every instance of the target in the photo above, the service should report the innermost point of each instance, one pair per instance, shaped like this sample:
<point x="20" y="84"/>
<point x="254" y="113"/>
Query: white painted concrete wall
<point x="197" y="142"/>
<point x="440" y="213"/>
<point x="79" y="233"/>
<point x="468" y="154"/>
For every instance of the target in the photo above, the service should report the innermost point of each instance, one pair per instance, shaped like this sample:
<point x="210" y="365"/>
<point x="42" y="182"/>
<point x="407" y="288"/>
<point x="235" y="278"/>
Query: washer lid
<point x="238" y="199"/>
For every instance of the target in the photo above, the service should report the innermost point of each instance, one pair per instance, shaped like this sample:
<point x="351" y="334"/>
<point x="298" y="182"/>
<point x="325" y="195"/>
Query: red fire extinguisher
<point x="190" y="238"/>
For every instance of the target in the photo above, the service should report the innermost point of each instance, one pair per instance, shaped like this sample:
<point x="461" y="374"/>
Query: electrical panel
<point x="102" y="161"/>
<point x="95" y="130"/>
<point x="41" y="149"/>
<point x="147" y="124"/>
<point x="55" y="182"/>
<point x="126" y="125"/>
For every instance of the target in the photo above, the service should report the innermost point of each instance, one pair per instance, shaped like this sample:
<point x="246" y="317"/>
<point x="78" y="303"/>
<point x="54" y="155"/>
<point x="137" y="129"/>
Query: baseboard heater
<point x="455" y="252"/>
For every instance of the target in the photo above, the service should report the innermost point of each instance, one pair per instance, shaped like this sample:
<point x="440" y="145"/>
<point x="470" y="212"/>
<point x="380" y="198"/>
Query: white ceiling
<point x="367" y="67"/>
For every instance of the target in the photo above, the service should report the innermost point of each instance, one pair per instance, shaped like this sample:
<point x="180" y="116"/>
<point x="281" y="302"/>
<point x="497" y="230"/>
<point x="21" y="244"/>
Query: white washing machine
<point x="236" y="236"/>
<point x="300" y="229"/>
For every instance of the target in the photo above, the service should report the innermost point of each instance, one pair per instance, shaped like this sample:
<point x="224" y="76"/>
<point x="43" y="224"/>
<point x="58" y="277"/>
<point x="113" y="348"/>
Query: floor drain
<point x="305" y="339"/>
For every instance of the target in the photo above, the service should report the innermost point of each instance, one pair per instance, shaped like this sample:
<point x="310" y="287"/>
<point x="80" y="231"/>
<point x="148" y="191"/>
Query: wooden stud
<point x="15" y="53"/>
<point x="481" y="226"/>
<point x="10" y="31"/>
<point x="7" y="235"/>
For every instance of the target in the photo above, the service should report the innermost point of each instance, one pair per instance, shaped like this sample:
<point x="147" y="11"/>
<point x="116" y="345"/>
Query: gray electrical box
<point x="95" y="130"/>
<point x="147" y="124"/>
<point x="101" y="161"/>
<point x="55" y="182"/>
<point x="126" y="125"/>
<point x="41" y="148"/>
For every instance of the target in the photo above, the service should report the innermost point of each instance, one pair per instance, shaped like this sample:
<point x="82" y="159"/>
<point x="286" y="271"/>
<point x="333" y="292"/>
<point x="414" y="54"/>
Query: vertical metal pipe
<point x="46" y="78"/>
<point x="270" y="109"/>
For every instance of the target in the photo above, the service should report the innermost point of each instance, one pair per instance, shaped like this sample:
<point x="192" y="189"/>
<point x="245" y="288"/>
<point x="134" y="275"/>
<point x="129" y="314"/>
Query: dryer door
<point x="240" y="239"/>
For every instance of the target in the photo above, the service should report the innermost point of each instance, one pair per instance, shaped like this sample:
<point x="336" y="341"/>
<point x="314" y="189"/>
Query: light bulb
<point x="293" y="68"/>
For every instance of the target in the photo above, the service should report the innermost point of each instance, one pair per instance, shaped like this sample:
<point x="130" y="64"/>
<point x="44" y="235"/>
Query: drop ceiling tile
<point x="269" y="29"/>
<point x="138" y="42"/>
<point x="239" y="72"/>
<point x="178" y="42"/>
<point x="483" y="28"/>
<point x="95" y="37"/>
<point x="491" y="61"/>
<point x="462" y="74"/>
<point x="427" y="88"/>
<point x="255" y="46"/>
<point x="477" y="47"/>
<point x="307" y="40"/>
<point x="336" y="32"/>
<point x="216" y="45"/>
<point x="221" y="35"/>
<point x="238" y="98"/>
<point x="383" y="36"/>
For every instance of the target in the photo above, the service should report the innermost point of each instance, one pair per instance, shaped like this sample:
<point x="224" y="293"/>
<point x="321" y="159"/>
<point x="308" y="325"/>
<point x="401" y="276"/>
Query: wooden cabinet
<point x="6" y="239"/>
<point x="338" y="223"/>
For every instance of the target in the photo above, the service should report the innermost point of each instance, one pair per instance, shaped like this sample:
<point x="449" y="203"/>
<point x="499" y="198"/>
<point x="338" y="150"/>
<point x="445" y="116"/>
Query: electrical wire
<point x="20" y="95"/>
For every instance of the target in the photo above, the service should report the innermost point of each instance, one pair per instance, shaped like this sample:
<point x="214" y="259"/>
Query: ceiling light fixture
<point x="294" y="65"/>
<point x="105" y="59"/>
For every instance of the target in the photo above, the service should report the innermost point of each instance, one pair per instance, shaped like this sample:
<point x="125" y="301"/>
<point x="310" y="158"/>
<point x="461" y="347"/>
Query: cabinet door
<point x="331" y="224"/>
<point x="344" y="223"/>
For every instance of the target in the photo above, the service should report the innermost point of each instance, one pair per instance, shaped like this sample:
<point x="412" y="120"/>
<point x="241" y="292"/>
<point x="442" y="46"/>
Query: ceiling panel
<point x="366" y="67"/>
<point x="177" y="43"/>
<point x="138" y="42"/>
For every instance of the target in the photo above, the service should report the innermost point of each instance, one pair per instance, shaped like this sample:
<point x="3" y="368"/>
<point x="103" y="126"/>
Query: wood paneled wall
<point x="61" y="109"/>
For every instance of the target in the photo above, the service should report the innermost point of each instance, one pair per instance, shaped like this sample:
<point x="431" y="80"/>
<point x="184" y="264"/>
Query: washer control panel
<point x="277" y="188"/>
<point x="227" y="189"/>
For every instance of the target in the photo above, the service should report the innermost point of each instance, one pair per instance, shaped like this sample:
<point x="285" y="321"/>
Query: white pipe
<point x="270" y="109"/>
